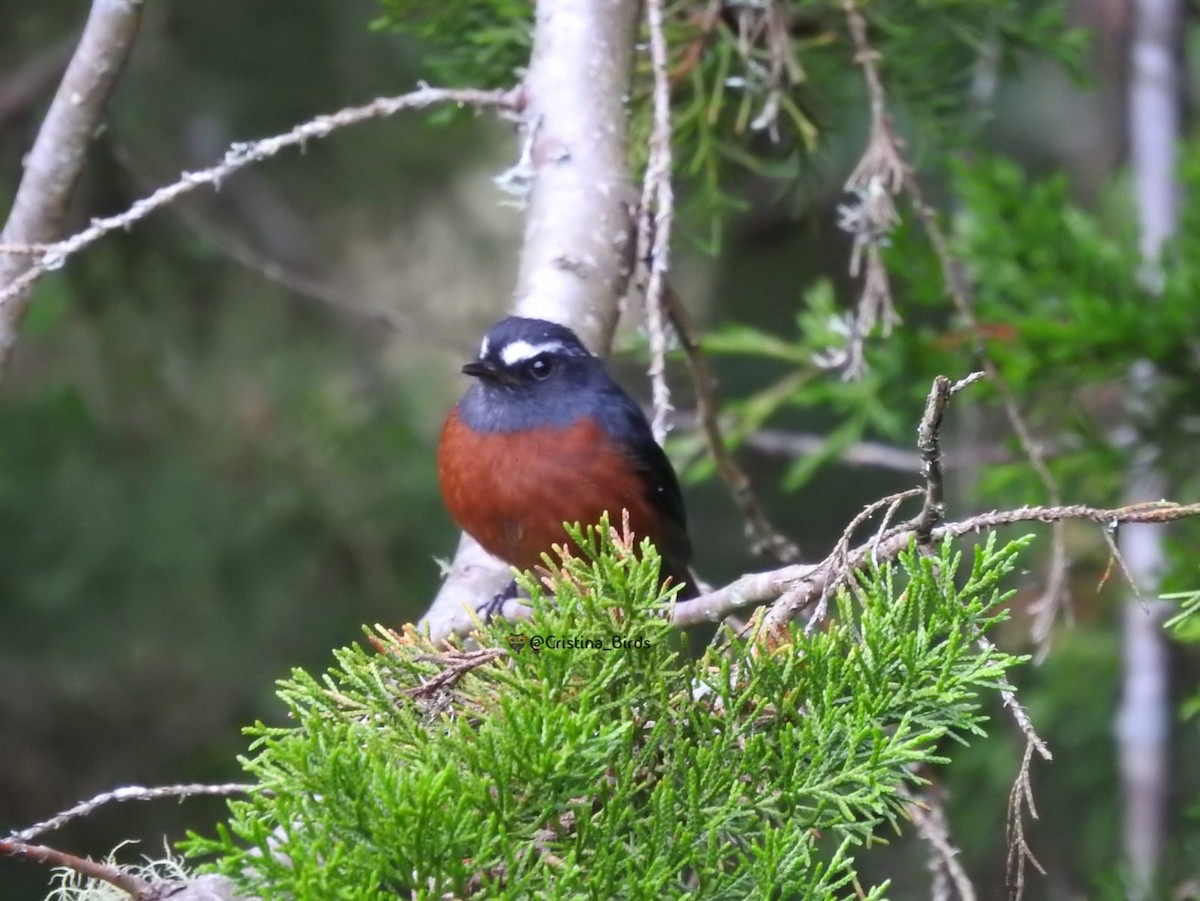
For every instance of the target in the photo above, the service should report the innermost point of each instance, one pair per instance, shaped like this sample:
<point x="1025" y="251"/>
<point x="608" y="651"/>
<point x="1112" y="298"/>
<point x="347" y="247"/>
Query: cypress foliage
<point x="535" y="769"/>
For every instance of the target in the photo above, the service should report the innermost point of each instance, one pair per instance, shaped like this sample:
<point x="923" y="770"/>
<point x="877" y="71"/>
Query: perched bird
<point x="544" y="436"/>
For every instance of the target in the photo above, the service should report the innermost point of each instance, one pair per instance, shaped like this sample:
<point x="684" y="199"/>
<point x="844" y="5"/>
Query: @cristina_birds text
<point x="518" y="642"/>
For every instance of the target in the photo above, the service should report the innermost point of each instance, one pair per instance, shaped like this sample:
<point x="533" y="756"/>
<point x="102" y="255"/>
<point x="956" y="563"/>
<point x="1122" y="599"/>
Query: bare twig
<point x="884" y="166"/>
<point x="932" y="512"/>
<point x="135" y="886"/>
<point x="876" y="454"/>
<point x="764" y="536"/>
<point x="841" y="552"/>
<point x="878" y="177"/>
<point x="1045" y="609"/>
<point x="776" y="442"/>
<point x="934" y="509"/>
<point x="53" y="165"/>
<point x="928" y="815"/>
<point x="128" y="793"/>
<point x="456" y="664"/>
<point x="654" y="220"/>
<point x="320" y="290"/>
<point x="238" y="157"/>
<point x="1020" y="799"/>
<point x="1119" y="558"/>
<point x="928" y="443"/>
<point x="803" y="583"/>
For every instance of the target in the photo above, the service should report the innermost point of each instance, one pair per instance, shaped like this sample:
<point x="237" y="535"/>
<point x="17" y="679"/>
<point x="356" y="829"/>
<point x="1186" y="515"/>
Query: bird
<point x="544" y="436"/>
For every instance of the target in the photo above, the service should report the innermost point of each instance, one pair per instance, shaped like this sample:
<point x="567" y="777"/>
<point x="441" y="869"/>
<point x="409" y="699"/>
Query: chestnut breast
<point x="512" y="491"/>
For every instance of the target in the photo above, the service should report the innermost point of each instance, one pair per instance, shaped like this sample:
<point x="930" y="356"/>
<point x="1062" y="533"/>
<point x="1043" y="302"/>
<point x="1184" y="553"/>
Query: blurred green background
<point x="217" y="459"/>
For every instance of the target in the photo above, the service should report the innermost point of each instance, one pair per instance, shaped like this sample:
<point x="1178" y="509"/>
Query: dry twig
<point x="128" y="793"/>
<point x="884" y="165"/>
<point x="764" y="536"/>
<point x="879" y="176"/>
<point x="135" y="886"/>
<point x="654" y="220"/>
<point x="239" y="156"/>
<point x="928" y="815"/>
<point x="803" y="583"/>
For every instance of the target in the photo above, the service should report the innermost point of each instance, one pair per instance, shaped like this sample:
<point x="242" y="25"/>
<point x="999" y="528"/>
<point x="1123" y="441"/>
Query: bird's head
<point x="530" y="373"/>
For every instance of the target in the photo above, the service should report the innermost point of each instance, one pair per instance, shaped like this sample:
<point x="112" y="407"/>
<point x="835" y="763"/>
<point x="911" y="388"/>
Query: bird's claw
<point x="490" y="609"/>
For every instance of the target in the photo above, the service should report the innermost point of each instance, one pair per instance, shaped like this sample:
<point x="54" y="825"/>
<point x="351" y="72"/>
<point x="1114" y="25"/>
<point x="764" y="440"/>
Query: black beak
<point x="481" y="369"/>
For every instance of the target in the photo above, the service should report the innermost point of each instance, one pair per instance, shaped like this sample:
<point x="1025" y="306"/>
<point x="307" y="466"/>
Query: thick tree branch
<point x="576" y="259"/>
<point x="53" y="166"/>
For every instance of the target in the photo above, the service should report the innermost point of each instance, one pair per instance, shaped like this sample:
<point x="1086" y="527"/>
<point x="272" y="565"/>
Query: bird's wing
<point x="626" y="424"/>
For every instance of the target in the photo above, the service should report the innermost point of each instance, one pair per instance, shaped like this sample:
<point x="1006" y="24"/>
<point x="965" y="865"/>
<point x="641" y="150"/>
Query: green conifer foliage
<point x="525" y="769"/>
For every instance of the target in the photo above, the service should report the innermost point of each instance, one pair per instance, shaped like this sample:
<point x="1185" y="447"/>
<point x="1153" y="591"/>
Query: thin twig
<point x="841" y="551"/>
<point x="1113" y="549"/>
<point x="456" y="664"/>
<point x="957" y="287"/>
<point x="933" y="511"/>
<point x="1020" y="799"/>
<point x="885" y="162"/>
<point x="654" y="221"/>
<point x="135" y="886"/>
<point x="878" y="177"/>
<point x="241" y="155"/>
<point x="928" y="815"/>
<point x="875" y="454"/>
<point x="128" y="793"/>
<point x="763" y="535"/>
<point x="805" y="582"/>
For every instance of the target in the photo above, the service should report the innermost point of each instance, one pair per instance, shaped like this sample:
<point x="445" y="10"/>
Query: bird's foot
<point x="490" y="609"/>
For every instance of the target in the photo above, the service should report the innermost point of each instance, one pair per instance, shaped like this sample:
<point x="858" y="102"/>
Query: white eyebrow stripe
<point x="521" y="351"/>
<point x="483" y="348"/>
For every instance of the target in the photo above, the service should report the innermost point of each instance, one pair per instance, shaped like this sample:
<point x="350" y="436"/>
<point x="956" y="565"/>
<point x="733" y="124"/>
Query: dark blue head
<point x="532" y="373"/>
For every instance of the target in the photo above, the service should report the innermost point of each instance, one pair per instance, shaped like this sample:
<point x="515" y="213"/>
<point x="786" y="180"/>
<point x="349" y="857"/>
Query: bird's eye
<point x="541" y="367"/>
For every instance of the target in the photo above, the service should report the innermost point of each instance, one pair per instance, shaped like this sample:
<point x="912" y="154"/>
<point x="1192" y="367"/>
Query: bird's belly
<point x="512" y="491"/>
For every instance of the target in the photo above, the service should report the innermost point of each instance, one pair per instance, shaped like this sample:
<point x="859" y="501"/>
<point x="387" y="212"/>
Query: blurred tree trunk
<point x="1144" y="716"/>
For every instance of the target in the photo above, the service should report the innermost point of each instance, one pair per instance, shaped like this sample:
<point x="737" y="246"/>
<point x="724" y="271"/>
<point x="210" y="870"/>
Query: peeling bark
<point x="575" y="262"/>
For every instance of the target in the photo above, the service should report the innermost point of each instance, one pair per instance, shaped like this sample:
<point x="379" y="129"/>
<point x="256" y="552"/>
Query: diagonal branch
<point x="802" y="584"/>
<point x="127" y="793"/>
<point x="134" y="886"/>
<point x="53" y="165"/>
<point x="239" y="156"/>
<point x="764" y="536"/>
